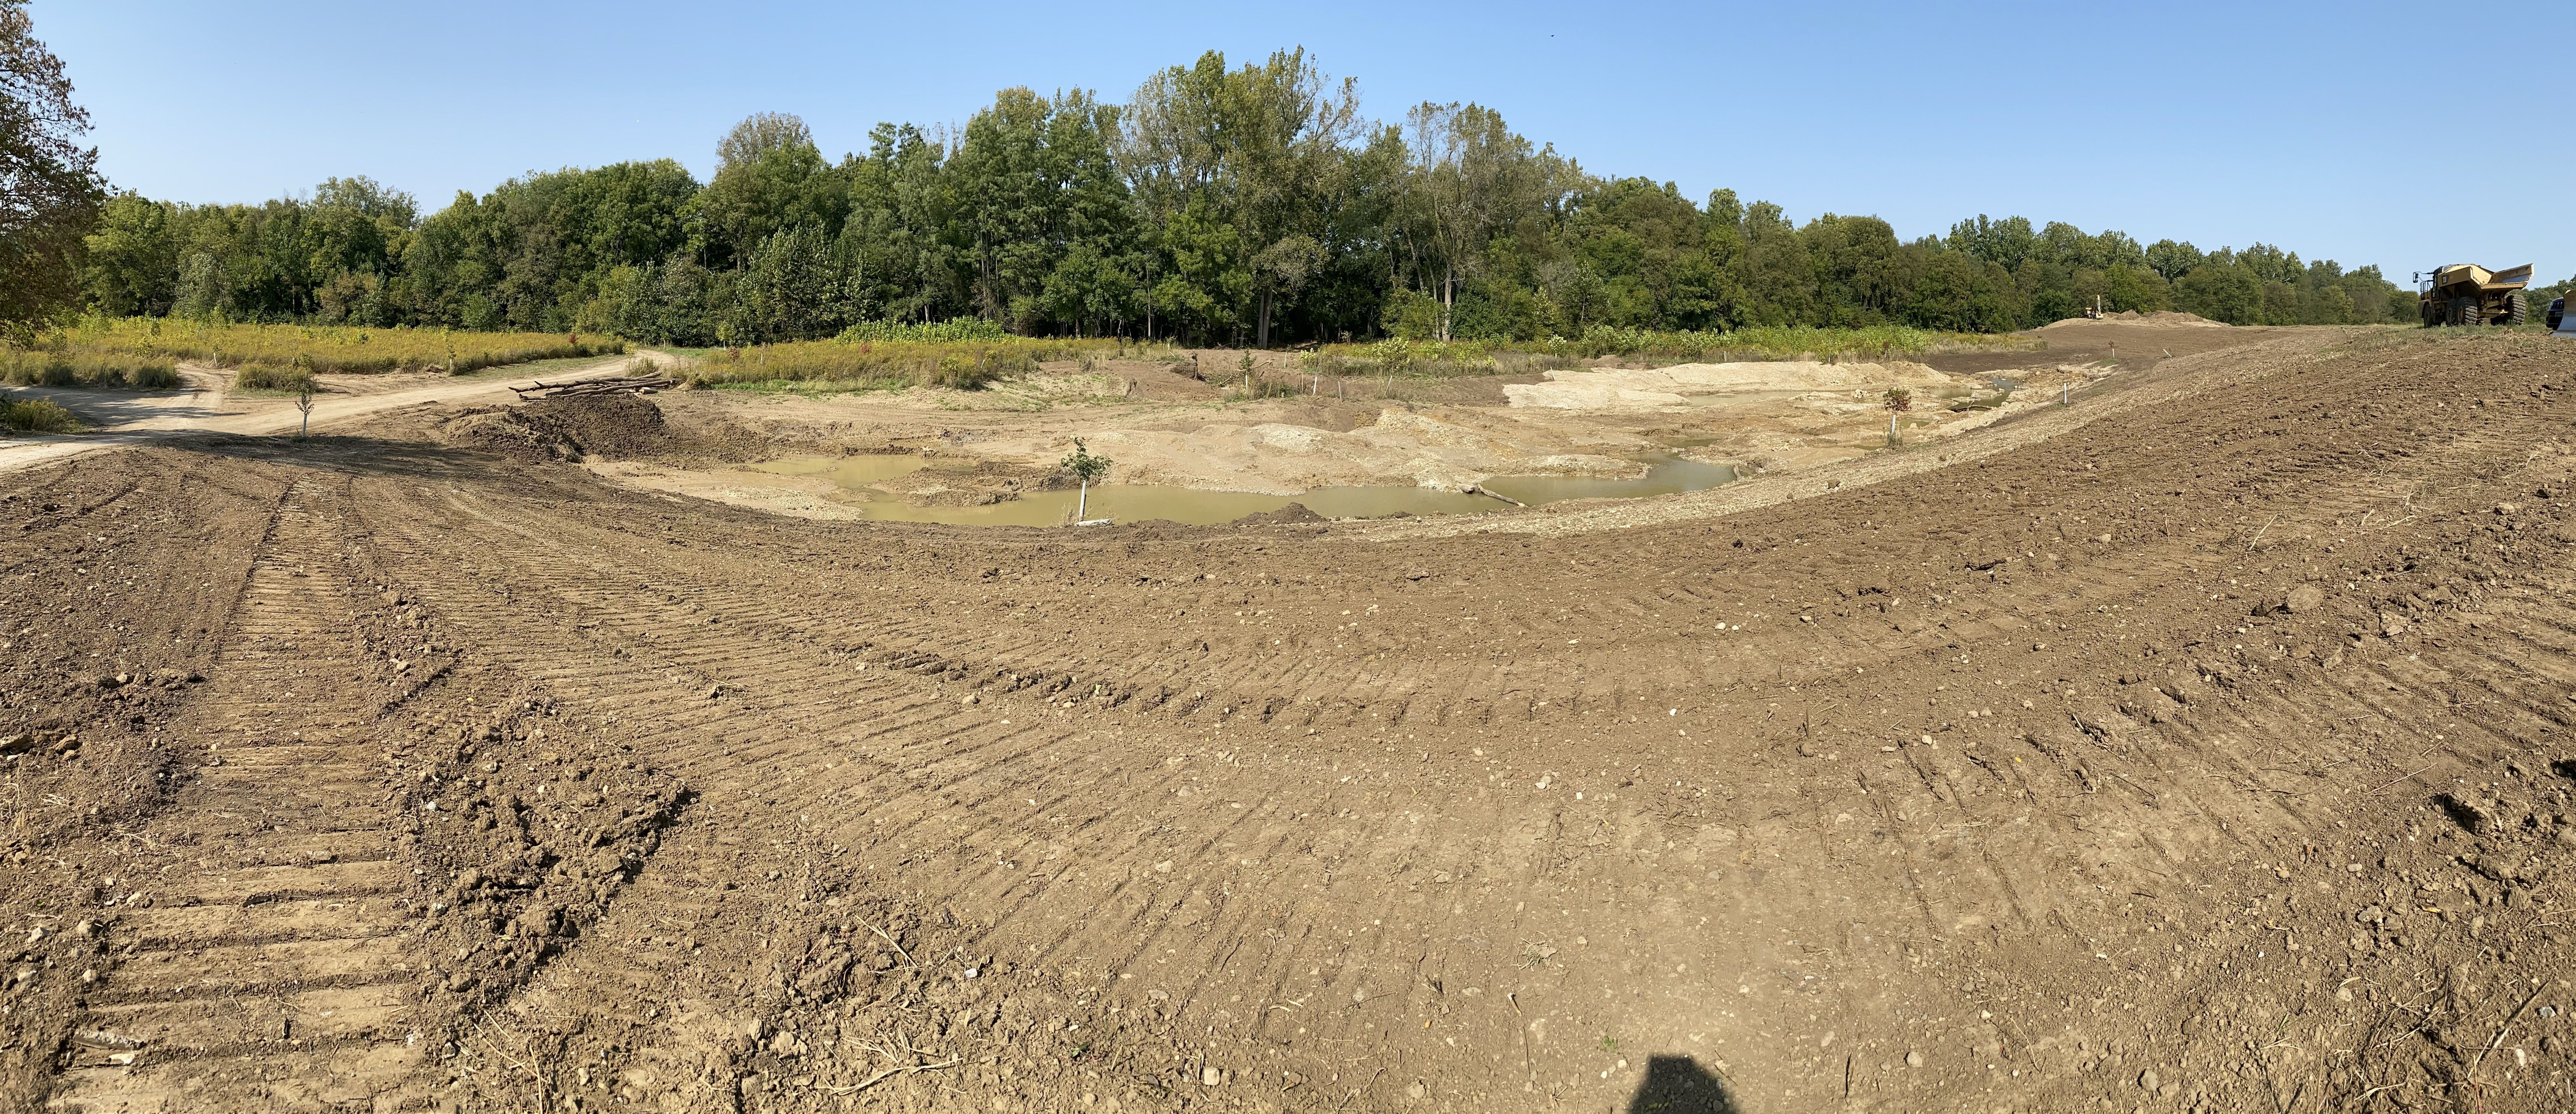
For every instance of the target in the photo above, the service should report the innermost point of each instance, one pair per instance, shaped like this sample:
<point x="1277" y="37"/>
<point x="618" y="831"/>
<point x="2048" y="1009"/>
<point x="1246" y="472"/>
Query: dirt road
<point x="119" y="419"/>
<point x="2205" y="754"/>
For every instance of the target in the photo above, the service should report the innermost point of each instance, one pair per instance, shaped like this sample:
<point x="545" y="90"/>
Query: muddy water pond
<point x="1665" y="475"/>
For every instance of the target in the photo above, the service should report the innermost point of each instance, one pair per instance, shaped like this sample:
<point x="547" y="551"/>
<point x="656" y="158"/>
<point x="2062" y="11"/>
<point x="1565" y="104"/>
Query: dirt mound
<point x="611" y="427"/>
<point x="1290" y="515"/>
<point x="2159" y="317"/>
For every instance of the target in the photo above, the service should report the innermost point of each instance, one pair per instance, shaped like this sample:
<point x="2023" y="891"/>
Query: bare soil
<point x="2201" y="746"/>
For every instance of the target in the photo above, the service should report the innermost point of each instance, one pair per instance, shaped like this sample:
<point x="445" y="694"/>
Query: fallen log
<point x="582" y="387"/>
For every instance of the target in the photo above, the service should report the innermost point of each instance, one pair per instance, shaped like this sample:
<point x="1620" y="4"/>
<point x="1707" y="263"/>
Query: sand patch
<point x="1675" y="386"/>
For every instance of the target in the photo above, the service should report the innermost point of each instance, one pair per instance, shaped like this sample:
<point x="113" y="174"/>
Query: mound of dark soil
<point x="1291" y="514"/>
<point x="612" y="427"/>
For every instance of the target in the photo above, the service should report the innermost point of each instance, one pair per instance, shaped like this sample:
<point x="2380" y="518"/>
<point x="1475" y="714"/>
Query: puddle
<point x="1198" y="507"/>
<point x="1668" y="475"/>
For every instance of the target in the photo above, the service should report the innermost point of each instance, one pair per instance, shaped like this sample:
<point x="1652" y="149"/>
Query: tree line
<point x="1248" y="205"/>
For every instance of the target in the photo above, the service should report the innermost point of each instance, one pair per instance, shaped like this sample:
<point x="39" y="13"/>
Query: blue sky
<point x="2334" y="130"/>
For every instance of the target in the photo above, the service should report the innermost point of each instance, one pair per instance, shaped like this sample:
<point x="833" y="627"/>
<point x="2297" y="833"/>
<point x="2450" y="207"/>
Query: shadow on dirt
<point x="347" y="453"/>
<point x="1678" y="1085"/>
<point x="103" y="408"/>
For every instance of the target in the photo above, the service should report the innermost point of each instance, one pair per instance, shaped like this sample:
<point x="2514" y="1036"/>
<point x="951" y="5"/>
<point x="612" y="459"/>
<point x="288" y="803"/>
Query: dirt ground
<point x="2201" y="746"/>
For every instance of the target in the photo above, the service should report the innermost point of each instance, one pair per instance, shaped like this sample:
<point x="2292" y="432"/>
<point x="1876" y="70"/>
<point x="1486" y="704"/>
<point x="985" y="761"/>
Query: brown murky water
<point x="1199" y="507"/>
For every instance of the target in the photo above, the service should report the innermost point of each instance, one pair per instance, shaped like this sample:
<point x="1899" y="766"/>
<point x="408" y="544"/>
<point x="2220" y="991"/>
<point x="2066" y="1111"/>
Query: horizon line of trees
<point x="1245" y="206"/>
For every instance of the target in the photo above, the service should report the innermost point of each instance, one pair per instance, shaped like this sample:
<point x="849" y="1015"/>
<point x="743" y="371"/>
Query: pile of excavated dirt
<point x="2211" y="753"/>
<point x="610" y="427"/>
<point x="2162" y="317"/>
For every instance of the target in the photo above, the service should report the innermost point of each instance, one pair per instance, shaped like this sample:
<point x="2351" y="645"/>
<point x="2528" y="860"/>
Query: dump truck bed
<point x="2469" y="276"/>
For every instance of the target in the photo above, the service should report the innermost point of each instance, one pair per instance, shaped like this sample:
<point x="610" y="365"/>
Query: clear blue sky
<point x="2335" y="130"/>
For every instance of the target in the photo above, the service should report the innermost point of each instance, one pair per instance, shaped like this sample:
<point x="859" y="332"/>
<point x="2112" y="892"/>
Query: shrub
<point x="42" y="415"/>
<point x="293" y="379"/>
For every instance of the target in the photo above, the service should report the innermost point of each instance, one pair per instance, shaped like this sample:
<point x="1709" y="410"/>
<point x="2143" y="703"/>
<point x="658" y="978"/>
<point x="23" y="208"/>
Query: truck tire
<point x="2464" y="312"/>
<point x="2424" y="309"/>
<point x="2517" y="308"/>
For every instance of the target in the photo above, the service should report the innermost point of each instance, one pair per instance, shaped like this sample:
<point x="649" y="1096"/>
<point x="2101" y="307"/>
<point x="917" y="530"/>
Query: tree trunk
<point x="1265" y="319"/>
<point x="1448" y="299"/>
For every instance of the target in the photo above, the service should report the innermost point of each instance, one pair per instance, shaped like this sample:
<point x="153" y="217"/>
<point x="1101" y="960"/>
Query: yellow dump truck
<point x="2467" y="294"/>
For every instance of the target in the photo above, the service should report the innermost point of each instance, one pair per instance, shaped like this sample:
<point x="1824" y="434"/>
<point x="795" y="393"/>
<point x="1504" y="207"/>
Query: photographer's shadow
<point x="1678" y="1085"/>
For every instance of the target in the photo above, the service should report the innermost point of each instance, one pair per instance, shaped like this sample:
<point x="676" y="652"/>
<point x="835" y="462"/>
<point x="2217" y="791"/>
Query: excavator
<point x="2467" y="294"/>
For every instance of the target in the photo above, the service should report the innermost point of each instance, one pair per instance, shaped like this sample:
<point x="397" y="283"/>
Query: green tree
<point x="131" y="265"/>
<point x="769" y="176"/>
<point x="50" y="189"/>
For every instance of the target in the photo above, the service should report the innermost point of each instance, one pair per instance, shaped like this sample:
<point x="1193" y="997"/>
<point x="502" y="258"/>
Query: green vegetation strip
<point x="94" y="345"/>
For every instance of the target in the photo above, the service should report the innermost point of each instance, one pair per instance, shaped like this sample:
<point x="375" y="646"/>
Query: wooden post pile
<point x="641" y="384"/>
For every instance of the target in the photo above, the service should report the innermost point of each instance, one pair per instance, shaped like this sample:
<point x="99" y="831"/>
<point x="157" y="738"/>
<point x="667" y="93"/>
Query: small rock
<point x="1416" y="1091"/>
<point x="714" y="691"/>
<point x="2103" y="538"/>
<point x="2147" y="1079"/>
<point x="109" y="681"/>
<point x="970" y="700"/>
<point x="2305" y="597"/>
<point x="1914" y="1059"/>
<point x="2390" y="626"/>
<point x="1210" y="1076"/>
<point x="17" y="744"/>
<point x="2508" y="508"/>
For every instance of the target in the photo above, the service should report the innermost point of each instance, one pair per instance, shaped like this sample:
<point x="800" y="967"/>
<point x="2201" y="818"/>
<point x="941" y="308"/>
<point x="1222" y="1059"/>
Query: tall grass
<point x="895" y="364"/>
<point x="292" y="380"/>
<point x="320" y="349"/>
<point x="42" y="368"/>
<point x="956" y="329"/>
<point x="1784" y="342"/>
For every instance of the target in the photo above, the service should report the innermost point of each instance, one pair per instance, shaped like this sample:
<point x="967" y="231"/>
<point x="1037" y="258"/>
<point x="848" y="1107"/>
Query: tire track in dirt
<point x="280" y="978"/>
<point x="924" y="813"/>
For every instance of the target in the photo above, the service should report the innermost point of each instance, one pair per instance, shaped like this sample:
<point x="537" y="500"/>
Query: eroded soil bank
<point x="2203" y="747"/>
<point x="1606" y="423"/>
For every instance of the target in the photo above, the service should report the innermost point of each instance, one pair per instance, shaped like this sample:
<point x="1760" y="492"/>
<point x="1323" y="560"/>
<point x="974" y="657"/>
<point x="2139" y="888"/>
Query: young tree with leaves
<point x="1086" y="468"/>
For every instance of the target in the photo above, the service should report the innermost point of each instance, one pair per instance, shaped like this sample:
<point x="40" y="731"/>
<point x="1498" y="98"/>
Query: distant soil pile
<point x="604" y="427"/>
<point x="2159" y="317"/>
<point x="1294" y="514"/>
<point x="612" y="427"/>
